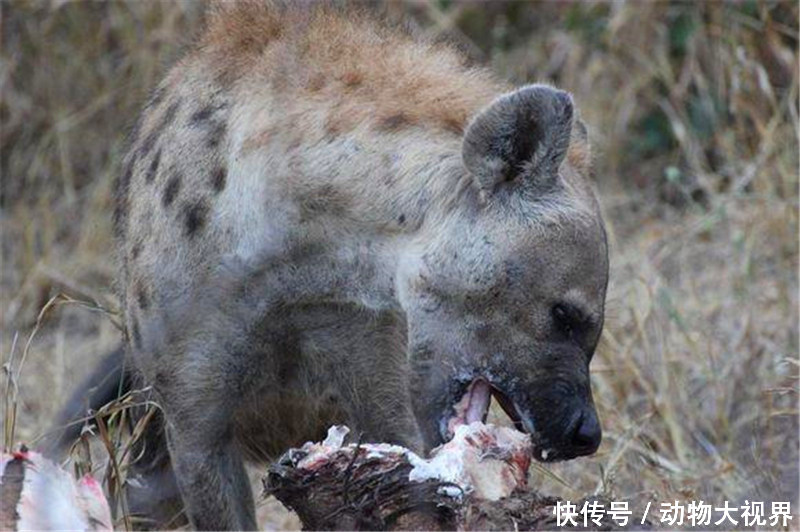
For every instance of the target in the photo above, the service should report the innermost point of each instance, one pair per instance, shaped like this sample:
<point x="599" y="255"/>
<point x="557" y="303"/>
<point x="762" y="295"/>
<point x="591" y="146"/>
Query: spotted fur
<point x="325" y="219"/>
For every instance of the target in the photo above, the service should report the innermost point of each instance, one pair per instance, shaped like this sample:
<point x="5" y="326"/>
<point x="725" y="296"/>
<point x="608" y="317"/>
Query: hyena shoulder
<point x="278" y="80"/>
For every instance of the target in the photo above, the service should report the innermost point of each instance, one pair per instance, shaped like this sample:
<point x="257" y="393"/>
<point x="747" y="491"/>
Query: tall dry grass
<point x="693" y="110"/>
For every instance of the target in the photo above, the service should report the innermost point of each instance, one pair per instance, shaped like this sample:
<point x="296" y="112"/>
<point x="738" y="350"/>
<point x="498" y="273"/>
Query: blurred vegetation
<point x="693" y="113"/>
<point x="684" y="97"/>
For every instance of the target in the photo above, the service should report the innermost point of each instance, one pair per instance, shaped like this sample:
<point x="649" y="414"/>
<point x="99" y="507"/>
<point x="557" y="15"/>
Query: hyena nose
<point x="587" y="434"/>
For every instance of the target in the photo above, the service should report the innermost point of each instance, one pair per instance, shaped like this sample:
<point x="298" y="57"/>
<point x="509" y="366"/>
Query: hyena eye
<point x="568" y="319"/>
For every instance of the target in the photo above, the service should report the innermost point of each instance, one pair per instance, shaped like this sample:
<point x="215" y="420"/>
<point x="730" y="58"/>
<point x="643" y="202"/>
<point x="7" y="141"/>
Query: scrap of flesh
<point x="485" y="461"/>
<point x="36" y="494"/>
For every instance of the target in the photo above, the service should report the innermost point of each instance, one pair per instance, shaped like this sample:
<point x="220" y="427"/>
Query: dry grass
<point x="694" y="115"/>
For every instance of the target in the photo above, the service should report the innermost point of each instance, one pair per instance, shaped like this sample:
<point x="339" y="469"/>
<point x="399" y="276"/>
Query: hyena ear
<point x="579" y="153"/>
<point x="522" y="136"/>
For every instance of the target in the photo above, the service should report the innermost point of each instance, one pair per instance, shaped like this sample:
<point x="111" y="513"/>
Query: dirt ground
<point x="693" y="111"/>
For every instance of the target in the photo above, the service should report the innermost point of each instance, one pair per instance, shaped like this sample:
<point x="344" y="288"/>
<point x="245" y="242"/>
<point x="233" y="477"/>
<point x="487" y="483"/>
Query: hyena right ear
<point x="521" y="137"/>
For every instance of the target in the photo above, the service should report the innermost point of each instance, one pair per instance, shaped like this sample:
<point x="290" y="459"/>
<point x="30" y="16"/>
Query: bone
<point x="476" y="481"/>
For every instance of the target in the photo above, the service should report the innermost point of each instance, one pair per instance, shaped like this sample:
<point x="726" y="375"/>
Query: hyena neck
<point x="387" y="230"/>
<point x="357" y="204"/>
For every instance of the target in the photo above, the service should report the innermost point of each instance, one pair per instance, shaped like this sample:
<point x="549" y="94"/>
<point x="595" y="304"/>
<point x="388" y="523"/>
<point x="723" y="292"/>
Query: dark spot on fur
<point x="352" y="79"/>
<point x="141" y="296"/>
<point x="152" y="170"/>
<point x="202" y="115"/>
<point x="171" y="189"/>
<point x="169" y="114"/>
<point x="194" y="218"/>
<point x="401" y="219"/>
<point x="394" y="122"/>
<point x="136" y="334"/>
<point x="388" y="179"/>
<point x="218" y="178"/>
<point x="157" y="97"/>
<point x="121" y="197"/>
<point x="325" y="199"/>
<point x="136" y="250"/>
<point x="133" y="134"/>
<point x="148" y="143"/>
<point x="215" y="134"/>
<point x="332" y="128"/>
<point x="152" y="137"/>
<point x="453" y="125"/>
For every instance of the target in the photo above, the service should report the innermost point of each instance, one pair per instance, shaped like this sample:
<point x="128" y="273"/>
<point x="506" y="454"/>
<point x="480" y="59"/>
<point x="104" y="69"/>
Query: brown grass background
<point x="693" y="112"/>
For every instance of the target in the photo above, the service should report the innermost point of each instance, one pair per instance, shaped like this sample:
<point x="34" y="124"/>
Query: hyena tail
<point x="155" y="498"/>
<point x="108" y="381"/>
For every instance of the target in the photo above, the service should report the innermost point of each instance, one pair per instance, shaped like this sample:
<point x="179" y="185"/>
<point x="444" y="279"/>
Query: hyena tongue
<point x="480" y="394"/>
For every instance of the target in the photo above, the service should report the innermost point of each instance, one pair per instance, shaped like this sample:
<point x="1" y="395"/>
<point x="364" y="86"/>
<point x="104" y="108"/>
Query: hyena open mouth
<point x="474" y="406"/>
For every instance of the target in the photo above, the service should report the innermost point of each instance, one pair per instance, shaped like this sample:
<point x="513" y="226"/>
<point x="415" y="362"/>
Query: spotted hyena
<point x="323" y="219"/>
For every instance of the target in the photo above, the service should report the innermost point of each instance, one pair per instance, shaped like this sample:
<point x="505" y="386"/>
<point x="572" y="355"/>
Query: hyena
<point x="323" y="219"/>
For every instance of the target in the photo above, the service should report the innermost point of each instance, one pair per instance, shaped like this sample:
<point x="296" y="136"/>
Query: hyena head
<point x="507" y="298"/>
